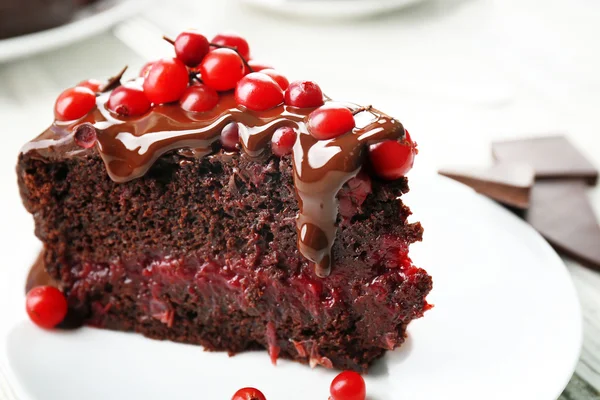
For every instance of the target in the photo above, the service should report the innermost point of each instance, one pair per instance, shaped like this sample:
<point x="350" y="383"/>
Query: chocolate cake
<point x="152" y="223"/>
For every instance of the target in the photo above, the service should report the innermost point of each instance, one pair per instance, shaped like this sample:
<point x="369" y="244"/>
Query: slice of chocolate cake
<point x="237" y="221"/>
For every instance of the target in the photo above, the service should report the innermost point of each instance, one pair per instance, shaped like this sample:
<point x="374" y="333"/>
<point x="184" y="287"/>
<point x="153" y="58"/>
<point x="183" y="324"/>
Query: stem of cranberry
<point x="194" y="77"/>
<point x="219" y="46"/>
<point x="113" y="82"/>
<point x="361" y="109"/>
<point x="168" y="40"/>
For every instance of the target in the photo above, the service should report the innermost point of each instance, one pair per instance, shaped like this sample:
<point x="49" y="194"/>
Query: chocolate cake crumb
<point x="205" y="251"/>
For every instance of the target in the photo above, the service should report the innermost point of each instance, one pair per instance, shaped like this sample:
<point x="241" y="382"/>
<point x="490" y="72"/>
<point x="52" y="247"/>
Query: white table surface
<point x="458" y="73"/>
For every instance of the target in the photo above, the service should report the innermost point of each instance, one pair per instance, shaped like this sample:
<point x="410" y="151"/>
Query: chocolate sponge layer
<point x="204" y="251"/>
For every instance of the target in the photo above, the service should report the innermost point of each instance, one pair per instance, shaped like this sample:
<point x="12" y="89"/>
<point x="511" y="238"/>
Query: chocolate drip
<point x="38" y="275"/>
<point x="129" y="147"/>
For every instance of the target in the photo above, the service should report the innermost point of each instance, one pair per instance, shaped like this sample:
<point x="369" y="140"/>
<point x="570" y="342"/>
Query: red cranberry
<point x="146" y="68"/>
<point x="93" y="84"/>
<point x="234" y="40"/>
<point x="46" y="306"/>
<point x="283" y="141"/>
<point x="166" y="81"/>
<point x="248" y="393"/>
<point x="128" y="101"/>
<point x="85" y="136"/>
<point x="393" y="159"/>
<point x="304" y="94"/>
<point x="330" y="121"/>
<point x="258" y="92"/>
<point x="199" y="98"/>
<point x="230" y="136"/>
<point x="348" y="385"/>
<point x="258" y="66"/>
<point x="277" y="77"/>
<point x="221" y="69"/>
<point x="74" y="103"/>
<point x="191" y="47"/>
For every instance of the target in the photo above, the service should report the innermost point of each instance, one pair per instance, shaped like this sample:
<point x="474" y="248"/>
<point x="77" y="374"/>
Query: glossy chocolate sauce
<point x="38" y="275"/>
<point x="129" y="147"/>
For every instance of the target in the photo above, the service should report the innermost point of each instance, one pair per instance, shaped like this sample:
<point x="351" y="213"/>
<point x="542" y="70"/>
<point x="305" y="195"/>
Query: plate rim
<point x="331" y="8"/>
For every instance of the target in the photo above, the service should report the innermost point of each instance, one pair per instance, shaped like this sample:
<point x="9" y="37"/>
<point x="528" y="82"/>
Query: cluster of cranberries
<point x="348" y="385"/>
<point x="203" y="68"/>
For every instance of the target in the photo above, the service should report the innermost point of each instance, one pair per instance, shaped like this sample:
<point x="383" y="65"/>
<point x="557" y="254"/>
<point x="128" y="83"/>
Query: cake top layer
<point x="131" y="125"/>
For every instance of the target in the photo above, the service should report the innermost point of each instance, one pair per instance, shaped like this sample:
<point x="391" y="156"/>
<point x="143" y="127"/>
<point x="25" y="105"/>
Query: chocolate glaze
<point x="38" y="275"/>
<point x="129" y="147"/>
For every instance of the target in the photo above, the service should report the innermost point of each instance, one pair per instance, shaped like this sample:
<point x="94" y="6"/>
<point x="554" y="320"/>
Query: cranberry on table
<point x="46" y="306"/>
<point x="283" y="141"/>
<point x="146" y="68"/>
<point x="330" y="121"/>
<point x="191" y="47"/>
<point x="277" y="77"/>
<point x="199" y="98"/>
<point x="230" y="136"/>
<point x="303" y="94"/>
<point x="393" y="159"/>
<point x="248" y="393"/>
<point x="235" y="41"/>
<point x="348" y="385"/>
<point x="258" y="66"/>
<point x="258" y="92"/>
<point x="93" y="84"/>
<point x="74" y="103"/>
<point x="221" y="69"/>
<point x="128" y="101"/>
<point x="166" y="81"/>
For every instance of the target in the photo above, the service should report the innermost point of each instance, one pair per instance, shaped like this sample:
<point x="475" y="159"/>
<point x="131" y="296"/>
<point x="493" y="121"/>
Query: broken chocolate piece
<point x="561" y="212"/>
<point x="552" y="157"/>
<point x="507" y="183"/>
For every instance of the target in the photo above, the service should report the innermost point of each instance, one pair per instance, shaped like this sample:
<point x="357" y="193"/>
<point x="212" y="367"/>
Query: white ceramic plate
<point x="332" y="8"/>
<point x="506" y="325"/>
<point x="88" y="22"/>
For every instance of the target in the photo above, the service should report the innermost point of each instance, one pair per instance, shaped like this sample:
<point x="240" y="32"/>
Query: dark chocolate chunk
<point x="552" y="157"/>
<point x="561" y="212"/>
<point x="507" y="183"/>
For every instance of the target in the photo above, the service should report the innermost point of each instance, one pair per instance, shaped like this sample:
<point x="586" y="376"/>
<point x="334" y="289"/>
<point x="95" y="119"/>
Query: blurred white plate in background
<point x="332" y="8"/>
<point x="89" y="21"/>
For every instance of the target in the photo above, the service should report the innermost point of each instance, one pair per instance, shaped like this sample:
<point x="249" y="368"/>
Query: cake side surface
<point x="205" y="251"/>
